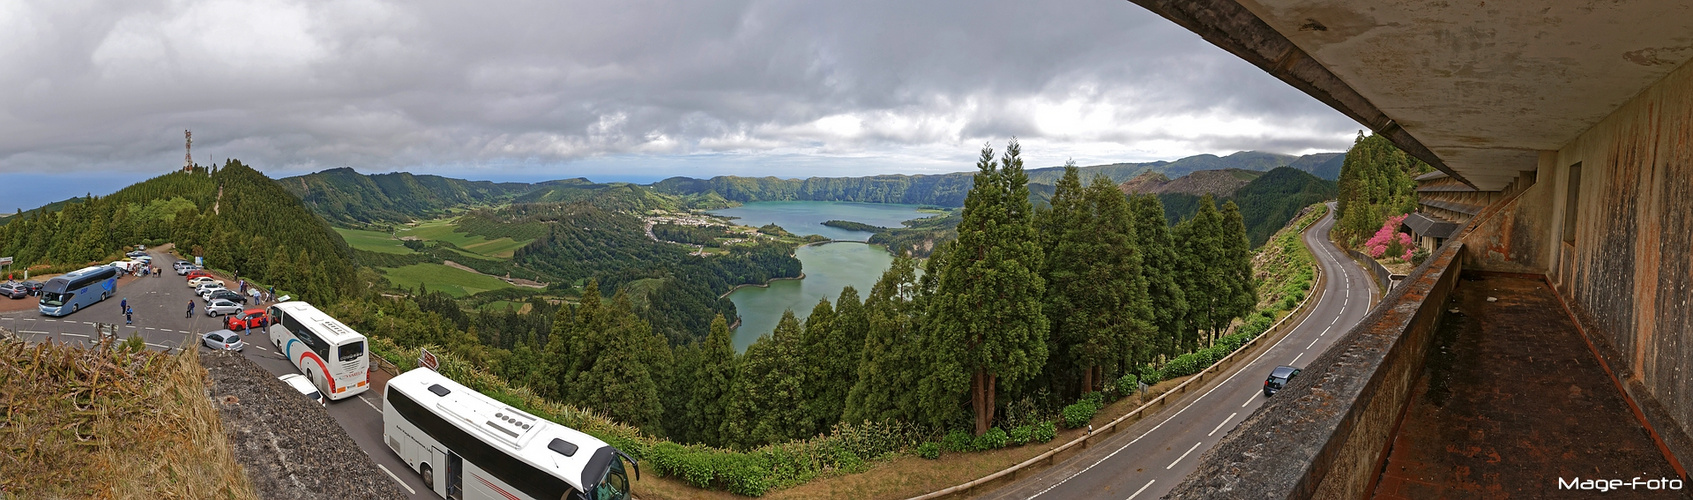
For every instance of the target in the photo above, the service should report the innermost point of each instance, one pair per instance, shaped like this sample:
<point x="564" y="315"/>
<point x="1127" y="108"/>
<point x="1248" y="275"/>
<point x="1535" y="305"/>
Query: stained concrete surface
<point x="1510" y="401"/>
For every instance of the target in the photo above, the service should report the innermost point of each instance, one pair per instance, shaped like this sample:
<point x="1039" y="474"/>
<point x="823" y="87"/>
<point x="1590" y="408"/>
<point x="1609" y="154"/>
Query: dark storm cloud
<point x="435" y="85"/>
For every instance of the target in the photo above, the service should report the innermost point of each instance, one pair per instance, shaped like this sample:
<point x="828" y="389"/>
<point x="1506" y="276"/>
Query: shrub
<point x="993" y="439"/>
<point x="958" y="441"/>
<point x="1021" y="435"/>
<point x="929" y="450"/>
<point x="1127" y="384"/>
<point x="1094" y="397"/>
<point x="1418" y="256"/>
<point x="1078" y="414"/>
<point x="1045" y="432"/>
<point x="1150" y="375"/>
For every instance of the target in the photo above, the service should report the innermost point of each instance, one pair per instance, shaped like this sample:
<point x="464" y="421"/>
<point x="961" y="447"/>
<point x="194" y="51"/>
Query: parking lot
<point x="159" y="305"/>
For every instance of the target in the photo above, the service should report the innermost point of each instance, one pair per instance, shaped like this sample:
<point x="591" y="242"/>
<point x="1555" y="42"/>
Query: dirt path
<point x="515" y="281"/>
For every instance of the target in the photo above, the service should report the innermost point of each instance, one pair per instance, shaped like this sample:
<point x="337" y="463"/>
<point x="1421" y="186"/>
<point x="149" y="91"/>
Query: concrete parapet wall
<point x="1325" y="435"/>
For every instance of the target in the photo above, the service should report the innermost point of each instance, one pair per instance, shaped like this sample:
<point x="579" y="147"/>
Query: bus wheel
<point x="75" y="308"/>
<point x="428" y="476"/>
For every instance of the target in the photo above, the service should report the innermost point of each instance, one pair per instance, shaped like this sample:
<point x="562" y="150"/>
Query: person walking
<point x="128" y="316"/>
<point x="124" y="306"/>
<point x="190" y="309"/>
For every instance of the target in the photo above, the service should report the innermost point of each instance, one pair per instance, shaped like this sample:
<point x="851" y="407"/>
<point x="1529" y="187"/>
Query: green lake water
<point x="828" y="267"/>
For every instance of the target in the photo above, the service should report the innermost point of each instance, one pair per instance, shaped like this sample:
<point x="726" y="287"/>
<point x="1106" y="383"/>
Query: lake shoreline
<point x="766" y="284"/>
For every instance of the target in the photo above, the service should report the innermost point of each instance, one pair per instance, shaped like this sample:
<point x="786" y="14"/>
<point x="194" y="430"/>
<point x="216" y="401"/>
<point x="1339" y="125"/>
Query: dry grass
<point x="111" y="421"/>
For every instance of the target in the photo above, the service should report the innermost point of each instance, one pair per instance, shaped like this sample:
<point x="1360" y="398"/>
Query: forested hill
<point x="344" y="196"/>
<point x="233" y="216"/>
<point x="1266" y="203"/>
<point x="949" y="189"/>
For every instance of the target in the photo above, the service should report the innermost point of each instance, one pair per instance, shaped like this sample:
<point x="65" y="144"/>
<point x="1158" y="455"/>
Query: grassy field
<point x="442" y="230"/>
<point x="440" y="278"/>
<point x="374" y="241"/>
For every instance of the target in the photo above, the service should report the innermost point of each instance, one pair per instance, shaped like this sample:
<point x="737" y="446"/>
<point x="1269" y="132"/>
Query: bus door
<point x="455" y="476"/>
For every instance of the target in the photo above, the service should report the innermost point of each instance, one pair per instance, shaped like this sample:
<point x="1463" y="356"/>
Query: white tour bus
<point x="469" y="446"/>
<point x="333" y="356"/>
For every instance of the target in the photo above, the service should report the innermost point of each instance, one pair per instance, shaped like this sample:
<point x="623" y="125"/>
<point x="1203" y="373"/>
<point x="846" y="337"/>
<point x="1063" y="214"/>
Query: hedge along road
<point x="1153" y="455"/>
<point x="160" y="304"/>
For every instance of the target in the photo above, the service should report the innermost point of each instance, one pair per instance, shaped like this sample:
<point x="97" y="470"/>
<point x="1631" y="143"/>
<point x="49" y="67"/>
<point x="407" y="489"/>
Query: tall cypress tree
<point x="712" y="381"/>
<point x="1204" y="274"/>
<point x="1161" y="266"/>
<point x="888" y="366"/>
<point x="816" y="351"/>
<point x="985" y="319"/>
<point x="767" y="402"/>
<point x="1237" y="261"/>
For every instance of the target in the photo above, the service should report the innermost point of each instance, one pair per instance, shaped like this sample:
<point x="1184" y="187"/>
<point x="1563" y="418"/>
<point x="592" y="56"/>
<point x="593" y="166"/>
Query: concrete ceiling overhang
<point x="1483" y="86"/>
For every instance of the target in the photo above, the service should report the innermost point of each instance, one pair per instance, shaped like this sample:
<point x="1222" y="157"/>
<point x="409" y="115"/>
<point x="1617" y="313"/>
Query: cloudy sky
<point x="97" y="93"/>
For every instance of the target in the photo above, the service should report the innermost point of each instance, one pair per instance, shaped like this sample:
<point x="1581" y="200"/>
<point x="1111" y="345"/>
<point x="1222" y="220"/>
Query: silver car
<point x="221" y="307"/>
<point x="223" y="339"/>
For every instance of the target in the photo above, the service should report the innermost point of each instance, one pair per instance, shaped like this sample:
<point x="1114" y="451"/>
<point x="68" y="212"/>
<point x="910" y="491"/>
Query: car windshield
<point x="51" y="299"/>
<point x="616" y="483"/>
<point x="314" y="395"/>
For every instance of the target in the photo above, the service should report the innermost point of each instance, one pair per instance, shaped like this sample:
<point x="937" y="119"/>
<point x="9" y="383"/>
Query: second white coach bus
<point x="330" y="354"/>
<point x="468" y="446"/>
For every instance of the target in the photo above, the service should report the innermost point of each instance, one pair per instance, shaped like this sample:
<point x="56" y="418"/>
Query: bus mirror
<point x="632" y="462"/>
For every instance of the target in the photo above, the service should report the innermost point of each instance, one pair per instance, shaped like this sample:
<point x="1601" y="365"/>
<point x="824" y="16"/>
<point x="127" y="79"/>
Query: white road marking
<point x="367" y="402"/>
<point x="408" y="487"/>
<point x="1220" y="424"/>
<point x="89" y="323"/>
<point x="1143" y="488"/>
<point x="48" y="319"/>
<point x="1296" y="358"/>
<point x="1184" y="455"/>
<point x="1313" y="342"/>
<point x="33" y="332"/>
<point x="158" y="346"/>
<point x="1250" y="400"/>
<point x="74" y="335"/>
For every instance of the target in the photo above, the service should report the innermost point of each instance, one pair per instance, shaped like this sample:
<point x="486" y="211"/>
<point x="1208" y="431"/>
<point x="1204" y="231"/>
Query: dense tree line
<point x="344" y="196"/>
<point x="1375" y="183"/>
<point x="233" y="216"/>
<point x="692" y="235"/>
<point x="1266" y="203"/>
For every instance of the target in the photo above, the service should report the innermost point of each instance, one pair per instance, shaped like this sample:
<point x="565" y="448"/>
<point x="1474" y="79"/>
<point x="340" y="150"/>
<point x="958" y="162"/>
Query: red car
<point x="251" y="318"/>
<point x="197" y="273"/>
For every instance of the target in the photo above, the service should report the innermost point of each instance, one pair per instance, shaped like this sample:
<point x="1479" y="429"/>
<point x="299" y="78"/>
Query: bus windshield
<point x="52" y="299"/>
<point x="350" y="351"/>
<point x="615" y="486"/>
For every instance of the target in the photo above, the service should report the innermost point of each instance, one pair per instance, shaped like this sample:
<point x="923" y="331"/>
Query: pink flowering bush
<point x="1389" y="241"/>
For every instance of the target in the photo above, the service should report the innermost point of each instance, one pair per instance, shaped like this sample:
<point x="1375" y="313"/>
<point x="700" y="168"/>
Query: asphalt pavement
<point x="160" y="305"/>
<point x="1153" y="455"/>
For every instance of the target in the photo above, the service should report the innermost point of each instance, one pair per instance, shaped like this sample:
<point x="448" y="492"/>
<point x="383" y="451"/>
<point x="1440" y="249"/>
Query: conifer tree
<point x="1161" y="266"/>
<point x="888" y="366"/>
<point x="712" y="382"/>
<point x="985" y="319"/>
<point x="1237" y="259"/>
<point x="816" y="352"/>
<point x="766" y="404"/>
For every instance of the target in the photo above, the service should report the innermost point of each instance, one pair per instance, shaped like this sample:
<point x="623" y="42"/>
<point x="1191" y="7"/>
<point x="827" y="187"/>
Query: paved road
<point x="1153" y="455"/>
<point x="160" y="304"/>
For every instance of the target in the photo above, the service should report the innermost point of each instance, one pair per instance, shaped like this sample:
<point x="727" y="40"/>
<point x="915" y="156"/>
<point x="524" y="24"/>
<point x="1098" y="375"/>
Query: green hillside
<point x="1266" y="203"/>
<point x="342" y="195"/>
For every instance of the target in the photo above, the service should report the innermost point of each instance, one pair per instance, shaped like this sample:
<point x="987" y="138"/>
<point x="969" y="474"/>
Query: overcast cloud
<point x="624" y="89"/>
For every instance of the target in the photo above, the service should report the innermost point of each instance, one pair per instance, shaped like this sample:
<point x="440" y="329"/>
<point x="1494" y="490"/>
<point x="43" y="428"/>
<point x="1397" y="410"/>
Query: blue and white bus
<point x="78" y="290"/>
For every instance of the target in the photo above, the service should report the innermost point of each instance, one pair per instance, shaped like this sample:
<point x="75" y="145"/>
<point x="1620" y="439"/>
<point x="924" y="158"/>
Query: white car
<point x="196" y="282"/>
<point x="221" y="307"/>
<point x="299" y="383"/>
<point x="205" y="288"/>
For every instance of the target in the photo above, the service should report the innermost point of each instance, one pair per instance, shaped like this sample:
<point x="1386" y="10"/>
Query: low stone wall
<point x="1324" y="436"/>
<point x="1385" y="279"/>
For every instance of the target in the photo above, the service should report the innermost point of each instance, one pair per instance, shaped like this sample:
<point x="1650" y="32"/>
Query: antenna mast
<point x="188" y="151"/>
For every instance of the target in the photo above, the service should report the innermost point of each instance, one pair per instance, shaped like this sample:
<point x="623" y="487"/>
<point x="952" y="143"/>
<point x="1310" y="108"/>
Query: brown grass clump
<point x="111" y="421"/>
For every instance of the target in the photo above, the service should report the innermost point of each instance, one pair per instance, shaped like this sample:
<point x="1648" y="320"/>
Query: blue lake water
<point x="829" y="268"/>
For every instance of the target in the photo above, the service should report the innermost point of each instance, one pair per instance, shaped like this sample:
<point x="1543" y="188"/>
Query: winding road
<point x="1152" y="456"/>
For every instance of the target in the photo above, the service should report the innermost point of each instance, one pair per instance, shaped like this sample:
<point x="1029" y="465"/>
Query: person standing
<point x="128" y="316"/>
<point x="190" y="309"/>
<point x="124" y="306"/>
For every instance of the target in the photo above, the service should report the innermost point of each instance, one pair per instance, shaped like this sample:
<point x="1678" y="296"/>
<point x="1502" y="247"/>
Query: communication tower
<point x="188" y="151"/>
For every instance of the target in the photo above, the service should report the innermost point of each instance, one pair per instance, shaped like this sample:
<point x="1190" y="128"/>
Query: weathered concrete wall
<point x="1629" y="271"/>
<point x="1325" y="435"/>
<point x="1516" y="237"/>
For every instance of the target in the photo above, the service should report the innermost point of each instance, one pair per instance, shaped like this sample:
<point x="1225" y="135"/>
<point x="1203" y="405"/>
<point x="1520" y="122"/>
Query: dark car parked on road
<point x="33" y="286"/>
<point x="1278" y="379"/>
<point x="226" y="294"/>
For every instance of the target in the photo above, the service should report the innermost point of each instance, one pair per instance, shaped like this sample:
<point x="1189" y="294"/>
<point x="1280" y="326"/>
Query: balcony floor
<point x="1510" y="400"/>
